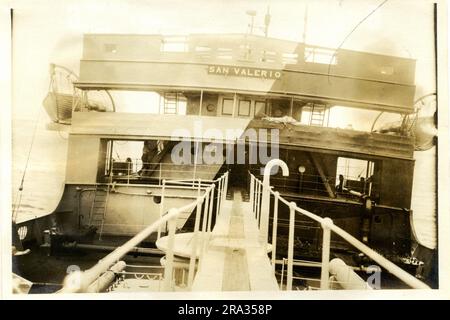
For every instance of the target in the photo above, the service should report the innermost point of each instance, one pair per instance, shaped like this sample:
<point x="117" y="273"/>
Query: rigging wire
<point x="350" y="33"/>
<point x="22" y="181"/>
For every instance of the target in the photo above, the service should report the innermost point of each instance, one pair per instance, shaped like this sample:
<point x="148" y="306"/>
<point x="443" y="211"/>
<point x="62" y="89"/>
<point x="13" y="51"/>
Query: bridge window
<point x="225" y="53"/>
<point x="320" y="55"/>
<point x="174" y="44"/>
<point x="280" y="107"/>
<point x="202" y="49"/>
<point x="203" y="52"/>
<point x="354" y="175"/>
<point x="268" y="56"/>
<point x="227" y="106"/>
<point x="244" y="108"/>
<point x="261" y="108"/>
<point x="290" y="58"/>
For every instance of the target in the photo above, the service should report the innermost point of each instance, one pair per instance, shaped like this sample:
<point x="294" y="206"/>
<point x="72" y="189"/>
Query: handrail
<point x="79" y="281"/>
<point x="327" y="225"/>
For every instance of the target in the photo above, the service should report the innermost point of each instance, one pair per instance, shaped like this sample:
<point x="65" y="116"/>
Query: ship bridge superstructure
<point x="232" y="82"/>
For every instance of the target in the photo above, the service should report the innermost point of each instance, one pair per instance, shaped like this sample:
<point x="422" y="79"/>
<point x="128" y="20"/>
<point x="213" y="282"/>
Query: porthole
<point x="157" y="199"/>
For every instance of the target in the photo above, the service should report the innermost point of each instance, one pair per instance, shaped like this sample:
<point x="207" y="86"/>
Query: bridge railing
<point x="80" y="281"/>
<point x="258" y="191"/>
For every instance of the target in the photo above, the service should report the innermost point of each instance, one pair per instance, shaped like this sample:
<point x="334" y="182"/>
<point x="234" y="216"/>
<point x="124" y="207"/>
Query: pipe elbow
<point x="276" y="162"/>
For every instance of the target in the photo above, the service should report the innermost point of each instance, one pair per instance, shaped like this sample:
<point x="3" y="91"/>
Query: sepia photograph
<point x="246" y="149"/>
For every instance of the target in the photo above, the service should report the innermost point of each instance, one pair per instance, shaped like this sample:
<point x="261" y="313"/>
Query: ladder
<point x="98" y="208"/>
<point x="317" y="115"/>
<point x="170" y="103"/>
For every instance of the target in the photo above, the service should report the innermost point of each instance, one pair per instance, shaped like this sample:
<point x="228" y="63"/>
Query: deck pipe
<point x="106" y="279"/>
<point x="265" y="204"/>
<point x="346" y="277"/>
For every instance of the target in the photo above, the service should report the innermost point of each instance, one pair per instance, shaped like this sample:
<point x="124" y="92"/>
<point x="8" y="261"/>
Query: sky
<point x="47" y="32"/>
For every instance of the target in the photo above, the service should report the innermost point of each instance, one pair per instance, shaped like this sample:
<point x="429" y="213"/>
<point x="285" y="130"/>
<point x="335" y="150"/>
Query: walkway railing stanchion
<point x="211" y="205"/>
<point x="257" y="203"/>
<point x="219" y="188"/>
<point x="161" y="206"/>
<point x="290" y="267"/>
<point x="226" y="185"/>
<point x="274" y="230"/>
<point x="193" y="258"/>
<point x="252" y="185"/>
<point x="255" y="183"/>
<point x="168" y="269"/>
<point x="258" y="213"/>
<point x="282" y="273"/>
<point x="199" y="187"/>
<point x="325" y="274"/>
<point x="328" y="227"/>
<point x="224" y="192"/>
<point x="204" y="226"/>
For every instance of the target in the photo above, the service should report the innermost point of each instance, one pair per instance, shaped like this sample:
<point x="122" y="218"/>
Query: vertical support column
<point x="160" y="173"/>
<point x="234" y="104"/>
<point x="194" y="242"/>
<point x="274" y="230"/>
<point x="290" y="267"/>
<point x="292" y="107"/>
<point x="201" y="103"/>
<point x="168" y="269"/>
<point x="161" y="205"/>
<point x="325" y="273"/>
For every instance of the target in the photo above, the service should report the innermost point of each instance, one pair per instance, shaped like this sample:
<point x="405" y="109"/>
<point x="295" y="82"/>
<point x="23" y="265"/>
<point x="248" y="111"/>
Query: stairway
<point x="98" y="208"/>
